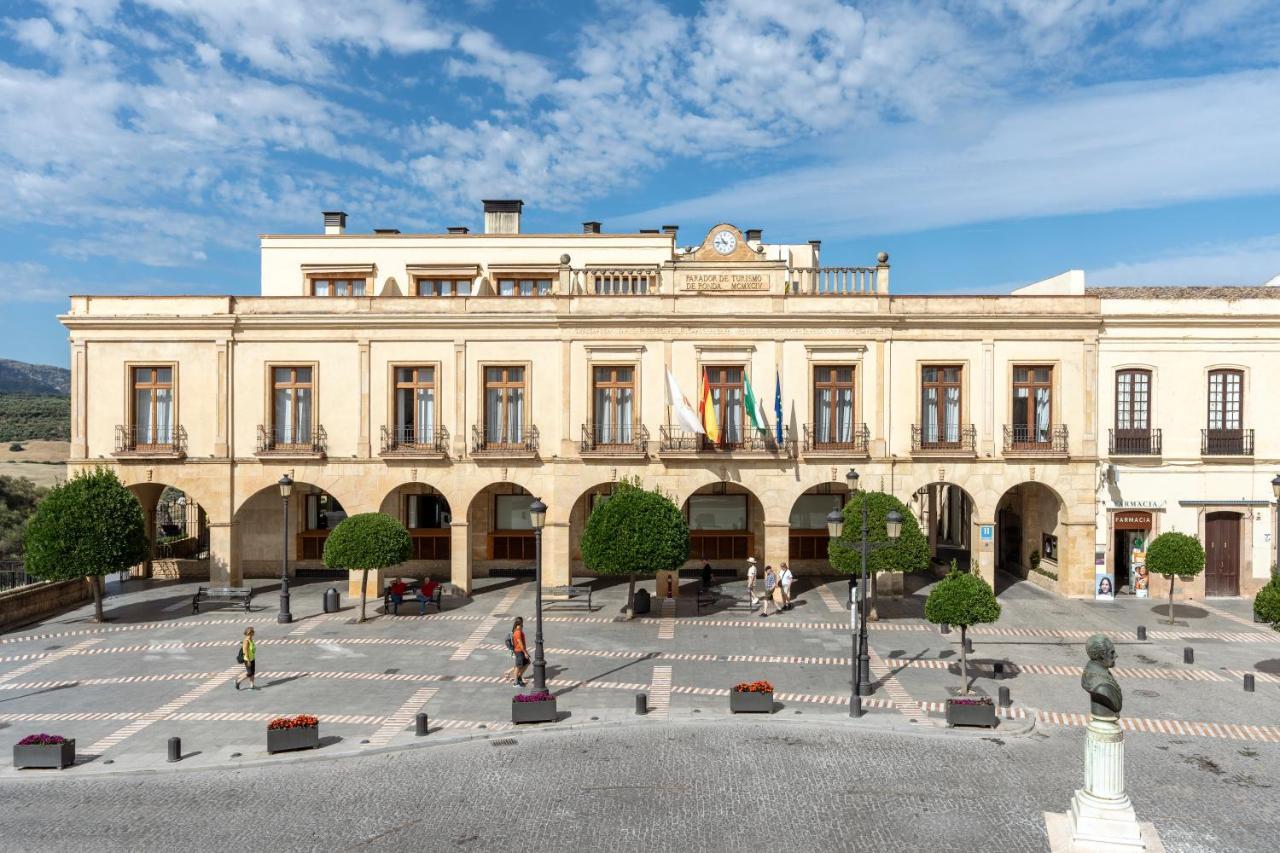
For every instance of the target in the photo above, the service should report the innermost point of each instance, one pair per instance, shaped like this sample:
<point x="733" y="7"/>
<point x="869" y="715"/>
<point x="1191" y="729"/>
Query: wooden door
<point x="1222" y="553"/>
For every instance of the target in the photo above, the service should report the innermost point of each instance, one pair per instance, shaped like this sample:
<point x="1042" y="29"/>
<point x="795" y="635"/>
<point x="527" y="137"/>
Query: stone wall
<point x="28" y="604"/>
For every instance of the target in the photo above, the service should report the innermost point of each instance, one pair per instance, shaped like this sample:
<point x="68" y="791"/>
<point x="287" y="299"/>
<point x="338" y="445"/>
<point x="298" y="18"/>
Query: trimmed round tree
<point x="963" y="599"/>
<point x="1175" y="555"/>
<point x="909" y="554"/>
<point x="89" y="526"/>
<point x="369" y="540"/>
<point x="635" y="532"/>
<point x="1266" y="604"/>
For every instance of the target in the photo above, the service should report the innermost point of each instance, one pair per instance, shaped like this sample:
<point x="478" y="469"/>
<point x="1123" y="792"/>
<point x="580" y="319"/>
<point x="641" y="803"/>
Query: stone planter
<point x="741" y="702"/>
<point x="283" y="740"/>
<point x="534" y="712"/>
<point x="51" y="755"/>
<point x="960" y="713"/>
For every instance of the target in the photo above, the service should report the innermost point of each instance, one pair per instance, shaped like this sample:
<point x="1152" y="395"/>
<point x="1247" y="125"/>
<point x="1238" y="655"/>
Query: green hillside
<point x="24" y="417"/>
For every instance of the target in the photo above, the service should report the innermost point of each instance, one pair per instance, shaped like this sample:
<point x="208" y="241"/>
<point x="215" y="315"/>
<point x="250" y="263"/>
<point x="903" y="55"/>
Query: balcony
<point x="931" y="441"/>
<point x="1022" y="440"/>
<point x="674" y="441"/>
<point x="614" y="440"/>
<point x="289" y="443"/>
<point x="513" y="443"/>
<point x="135" y="442"/>
<point x="820" y="440"/>
<point x="411" y="443"/>
<point x="1134" y="442"/>
<point x="1226" y="442"/>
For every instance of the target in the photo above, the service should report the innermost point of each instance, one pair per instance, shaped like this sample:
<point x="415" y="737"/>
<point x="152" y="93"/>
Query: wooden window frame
<point x="526" y="368"/>
<point x="815" y="386"/>
<point x="634" y="385"/>
<point x="393" y="408"/>
<point x="434" y="281"/>
<point x="721" y="408"/>
<point x="516" y="294"/>
<point x="941" y="401"/>
<point x="1133" y="373"/>
<point x="1031" y="385"/>
<point x="131" y="399"/>
<point x="313" y="277"/>
<point x="1224" y="372"/>
<point x="314" y="367"/>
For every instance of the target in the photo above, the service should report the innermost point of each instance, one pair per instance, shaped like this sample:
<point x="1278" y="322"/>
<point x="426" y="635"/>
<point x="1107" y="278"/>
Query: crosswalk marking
<point x="829" y="598"/>
<point x="660" y="693"/>
<point x="78" y="648"/>
<point x="163" y="712"/>
<point x="396" y="722"/>
<point x="667" y="624"/>
<point x="486" y="625"/>
<point x="897" y="694"/>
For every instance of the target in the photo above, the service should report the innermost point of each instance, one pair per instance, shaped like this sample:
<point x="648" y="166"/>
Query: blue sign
<point x="986" y="532"/>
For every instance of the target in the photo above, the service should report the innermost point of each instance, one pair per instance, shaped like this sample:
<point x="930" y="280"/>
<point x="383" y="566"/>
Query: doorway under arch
<point x="726" y="525"/>
<point x="426" y="514"/>
<point x="500" y="530"/>
<point x="177" y="532"/>
<point x="1030" y="518"/>
<point x="313" y="513"/>
<point x="946" y="513"/>
<point x="807" y="536"/>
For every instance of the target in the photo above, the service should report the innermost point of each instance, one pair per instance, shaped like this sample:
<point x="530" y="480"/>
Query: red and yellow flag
<point x="707" y="411"/>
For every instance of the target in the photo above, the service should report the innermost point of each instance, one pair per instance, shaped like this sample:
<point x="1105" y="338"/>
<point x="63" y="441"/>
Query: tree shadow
<point x="44" y="690"/>
<point x="1180" y="611"/>
<point x="1271" y="667"/>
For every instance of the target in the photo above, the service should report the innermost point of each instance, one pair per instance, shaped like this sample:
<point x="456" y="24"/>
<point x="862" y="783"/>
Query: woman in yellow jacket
<point x="248" y="656"/>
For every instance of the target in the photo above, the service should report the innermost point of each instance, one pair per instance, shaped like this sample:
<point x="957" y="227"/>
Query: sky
<point x="145" y="144"/>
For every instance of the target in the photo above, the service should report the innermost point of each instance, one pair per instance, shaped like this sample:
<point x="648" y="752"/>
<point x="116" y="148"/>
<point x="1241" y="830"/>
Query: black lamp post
<point x="538" y="518"/>
<point x="1275" y="490"/>
<point x="861" y="684"/>
<point x="284" y="616"/>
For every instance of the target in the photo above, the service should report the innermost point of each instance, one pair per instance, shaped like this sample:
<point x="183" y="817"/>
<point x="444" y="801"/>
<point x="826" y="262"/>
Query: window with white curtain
<point x="291" y="401"/>
<point x="613" y="398"/>
<point x="153" y="405"/>
<point x="415" y="404"/>
<point x="1032" y="404"/>
<point x="940" y="405"/>
<point x="504" y="405"/>
<point x="833" y="405"/>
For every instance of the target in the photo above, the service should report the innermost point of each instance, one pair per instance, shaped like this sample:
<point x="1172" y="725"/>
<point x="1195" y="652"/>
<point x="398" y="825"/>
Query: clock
<point x="724" y="242"/>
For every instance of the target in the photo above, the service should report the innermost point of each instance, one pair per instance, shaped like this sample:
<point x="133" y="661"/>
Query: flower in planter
<point x="302" y="721"/>
<point x="970" y="700"/>
<point x="753" y="687"/>
<point x="544" y="696"/>
<point x="42" y="739"/>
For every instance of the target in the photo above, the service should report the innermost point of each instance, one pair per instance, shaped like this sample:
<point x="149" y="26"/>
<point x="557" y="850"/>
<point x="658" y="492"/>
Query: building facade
<point x="447" y="379"/>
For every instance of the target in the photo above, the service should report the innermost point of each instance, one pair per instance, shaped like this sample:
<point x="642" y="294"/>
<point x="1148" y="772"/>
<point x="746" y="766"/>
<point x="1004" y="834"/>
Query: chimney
<point x="649" y="231"/>
<point x="591" y="228"/>
<point x="673" y="230"/>
<point x="459" y="229"/>
<point x="502" y="216"/>
<point x="816" y="245"/>
<point x="386" y="231"/>
<point x="754" y="235"/>
<point x="335" y="222"/>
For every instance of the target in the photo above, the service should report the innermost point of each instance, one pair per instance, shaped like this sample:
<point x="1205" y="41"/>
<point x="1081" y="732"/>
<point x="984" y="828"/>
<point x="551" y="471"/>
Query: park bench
<point x="236" y="594"/>
<point x="411" y="596"/>
<point x="573" y="594"/>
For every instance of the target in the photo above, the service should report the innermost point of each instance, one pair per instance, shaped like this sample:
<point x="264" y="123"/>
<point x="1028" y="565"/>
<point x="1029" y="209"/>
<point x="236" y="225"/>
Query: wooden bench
<point x="574" y="593"/>
<point x="411" y="594"/>
<point x="710" y="598"/>
<point x="237" y="594"/>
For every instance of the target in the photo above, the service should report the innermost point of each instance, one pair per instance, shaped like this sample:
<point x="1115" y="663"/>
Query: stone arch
<point x="500" y="537"/>
<point x="946" y="512"/>
<point x="427" y="514"/>
<point x="177" y="532"/>
<point x="807" y="537"/>
<point x="260" y="535"/>
<point x="1030" y="520"/>
<point x="727" y="525"/>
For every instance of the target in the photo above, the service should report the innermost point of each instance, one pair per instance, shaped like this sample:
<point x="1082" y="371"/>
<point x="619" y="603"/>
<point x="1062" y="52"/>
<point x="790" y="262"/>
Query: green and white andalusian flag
<point x="752" y="405"/>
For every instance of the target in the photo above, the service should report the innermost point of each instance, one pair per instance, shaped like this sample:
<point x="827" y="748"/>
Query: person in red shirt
<point x="397" y="591"/>
<point x="516" y="643"/>
<point x="425" y="592"/>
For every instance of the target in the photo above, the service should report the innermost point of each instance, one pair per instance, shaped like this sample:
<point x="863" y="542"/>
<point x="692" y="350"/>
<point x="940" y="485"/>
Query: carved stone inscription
<point x="726" y="281"/>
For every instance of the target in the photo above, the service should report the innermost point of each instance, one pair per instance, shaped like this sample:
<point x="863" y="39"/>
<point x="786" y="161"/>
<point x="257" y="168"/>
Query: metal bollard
<point x="642" y="704"/>
<point x="998" y="667"/>
<point x="1188" y="655"/>
<point x="1142" y="632"/>
<point x="968" y="646"/>
<point x="420" y="724"/>
<point x="1248" y="682"/>
<point x="1005" y="700"/>
<point x="175" y="749"/>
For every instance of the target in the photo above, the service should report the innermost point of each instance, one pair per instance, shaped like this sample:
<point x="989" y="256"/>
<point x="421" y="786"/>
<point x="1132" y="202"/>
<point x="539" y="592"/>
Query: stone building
<point x="446" y="379"/>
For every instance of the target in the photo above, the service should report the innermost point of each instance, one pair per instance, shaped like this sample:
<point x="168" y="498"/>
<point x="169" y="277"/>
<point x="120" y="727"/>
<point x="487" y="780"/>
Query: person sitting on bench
<point x="425" y="594"/>
<point x="397" y="591"/>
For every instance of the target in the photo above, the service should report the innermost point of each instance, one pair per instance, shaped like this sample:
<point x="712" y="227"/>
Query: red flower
<point x="754" y="687"/>
<point x="302" y="721"/>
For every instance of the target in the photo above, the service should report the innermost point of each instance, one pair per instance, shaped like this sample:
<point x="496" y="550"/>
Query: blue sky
<point x="144" y="144"/>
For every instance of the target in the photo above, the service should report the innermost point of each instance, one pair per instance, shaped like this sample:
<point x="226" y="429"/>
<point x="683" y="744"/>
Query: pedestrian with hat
<point x="751" y="581"/>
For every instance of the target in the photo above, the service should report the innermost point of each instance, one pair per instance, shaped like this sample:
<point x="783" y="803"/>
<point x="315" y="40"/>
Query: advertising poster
<point x="1138" y="567"/>
<point x="1104" y="583"/>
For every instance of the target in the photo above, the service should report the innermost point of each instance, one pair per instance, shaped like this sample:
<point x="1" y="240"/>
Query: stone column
<point x="982" y="555"/>
<point x="460" y="556"/>
<point x="224" y="554"/>
<point x="1101" y="813"/>
<point x="777" y="545"/>
<point x="556" y="570"/>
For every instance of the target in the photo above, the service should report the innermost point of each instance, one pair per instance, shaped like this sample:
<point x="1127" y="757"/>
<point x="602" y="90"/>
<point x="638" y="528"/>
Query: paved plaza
<point x="1204" y="755"/>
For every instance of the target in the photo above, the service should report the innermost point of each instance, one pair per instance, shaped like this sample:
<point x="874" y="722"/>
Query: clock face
<point x="724" y="242"/>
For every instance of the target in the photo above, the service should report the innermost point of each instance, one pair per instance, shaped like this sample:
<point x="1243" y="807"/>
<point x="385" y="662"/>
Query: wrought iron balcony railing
<point x="614" y="440"/>
<point x="151" y="441"/>
<point x="285" y="441"/>
<point x="820" y="438"/>
<point x="1134" y="442"/>
<point x="511" y="441"/>
<point x="676" y="440"/>
<point x="1022" y="440"/>
<point x="1226" y="442"/>
<point x="958" y="439"/>
<point x="411" y="441"/>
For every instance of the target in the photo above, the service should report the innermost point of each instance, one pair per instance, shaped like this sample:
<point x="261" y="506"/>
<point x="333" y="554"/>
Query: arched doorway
<point x="807" y="536"/>
<point x="578" y="515"/>
<point x="177" y="532"/>
<point x="726" y="525"/>
<point x="313" y="512"/>
<point x="946" y="512"/>
<point x="501" y="535"/>
<point x="1030" y="518"/>
<point x="426" y="514"/>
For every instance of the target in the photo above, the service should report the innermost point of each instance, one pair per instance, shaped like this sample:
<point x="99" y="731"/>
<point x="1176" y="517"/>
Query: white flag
<point x="685" y="415"/>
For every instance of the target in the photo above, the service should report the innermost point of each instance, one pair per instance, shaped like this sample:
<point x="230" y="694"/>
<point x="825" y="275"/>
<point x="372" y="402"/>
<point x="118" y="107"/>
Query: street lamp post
<point x="861" y="683"/>
<point x="1275" y="490"/>
<point x="538" y="518"/>
<point x="284" y="616"/>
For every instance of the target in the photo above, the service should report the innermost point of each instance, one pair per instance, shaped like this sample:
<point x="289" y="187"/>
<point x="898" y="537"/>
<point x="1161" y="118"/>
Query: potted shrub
<point x="1174" y="554"/>
<point x="751" y="697"/>
<point x="286" y="733"/>
<point x="43" y="750"/>
<point x="533" y="708"/>
<point x="964" y="599"/>
<point x="1266" y="604"/>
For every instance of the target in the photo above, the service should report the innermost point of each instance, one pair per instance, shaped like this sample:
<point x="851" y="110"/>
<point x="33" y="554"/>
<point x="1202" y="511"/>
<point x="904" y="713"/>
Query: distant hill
<point x="40" y="417"/>
<point x="18" y="377"/>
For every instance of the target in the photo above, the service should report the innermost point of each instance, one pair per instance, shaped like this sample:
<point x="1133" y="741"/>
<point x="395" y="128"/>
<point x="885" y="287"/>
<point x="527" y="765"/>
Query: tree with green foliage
<point x="1266" y="604"/>
<point x="963" y="599"/>
<point x="909" y="554"/>
<point x="369" y="540"/>
<point x="635" y="532"/>
<point x="18" y="499"/>
<point x="1175" y="555"/>
<point x="89" y="526"/>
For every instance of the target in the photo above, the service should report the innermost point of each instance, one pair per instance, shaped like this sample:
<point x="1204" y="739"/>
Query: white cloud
<point x="26" y="281"/>
<point x="1245" y="262"/>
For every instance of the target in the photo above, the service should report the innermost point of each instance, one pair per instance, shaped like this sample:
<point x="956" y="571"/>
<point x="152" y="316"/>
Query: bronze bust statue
<point x="1104" y="690"/>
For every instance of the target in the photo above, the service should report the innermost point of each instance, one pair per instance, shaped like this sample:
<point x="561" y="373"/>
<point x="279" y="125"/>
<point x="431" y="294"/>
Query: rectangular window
<point x="613" y="400"/>
<point x="1133" y="400"/>
<point x="415" y="405"/>
<point x="323" y="512"/>
<point x="524" y="286"/>
<point x="810" y="511"/>
<point x="443" y="287"/>
<point x="425" y="512"/>
<point x="511" y="512"/>
<point x="1032" y="405"/>
<point x="504" y="401"/>
<point x="832" y="406"/>
<point x="291" y="404"/>
<point x="337" y="286"/>
<point x="718" y="512"/>
<point x="727" y="399"/>
<point x="940" y="406"/>
<point x="152" y="406"/>
<point x="1226" y="400"/>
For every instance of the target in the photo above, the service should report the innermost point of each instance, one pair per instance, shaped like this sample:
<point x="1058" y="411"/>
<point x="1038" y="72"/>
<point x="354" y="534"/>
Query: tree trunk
<point x="364" y="585"/>
<point x="96" y="582"/>
<point x="631" y="595"/>
<point x="1171" y="599"/>
<point x="964" y="661"/>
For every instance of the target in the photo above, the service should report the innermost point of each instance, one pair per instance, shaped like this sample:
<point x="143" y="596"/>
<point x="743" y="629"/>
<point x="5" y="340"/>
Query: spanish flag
<point x="707" y="411"/>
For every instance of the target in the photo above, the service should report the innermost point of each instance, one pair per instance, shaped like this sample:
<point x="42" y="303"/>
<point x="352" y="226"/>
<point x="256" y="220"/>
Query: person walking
<point x="751" y="581"/>
<point x="248" y="656"/>
<point x="785" y="579"/>
<point x="770" y="584"/>
<point x="516" y="643"/>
